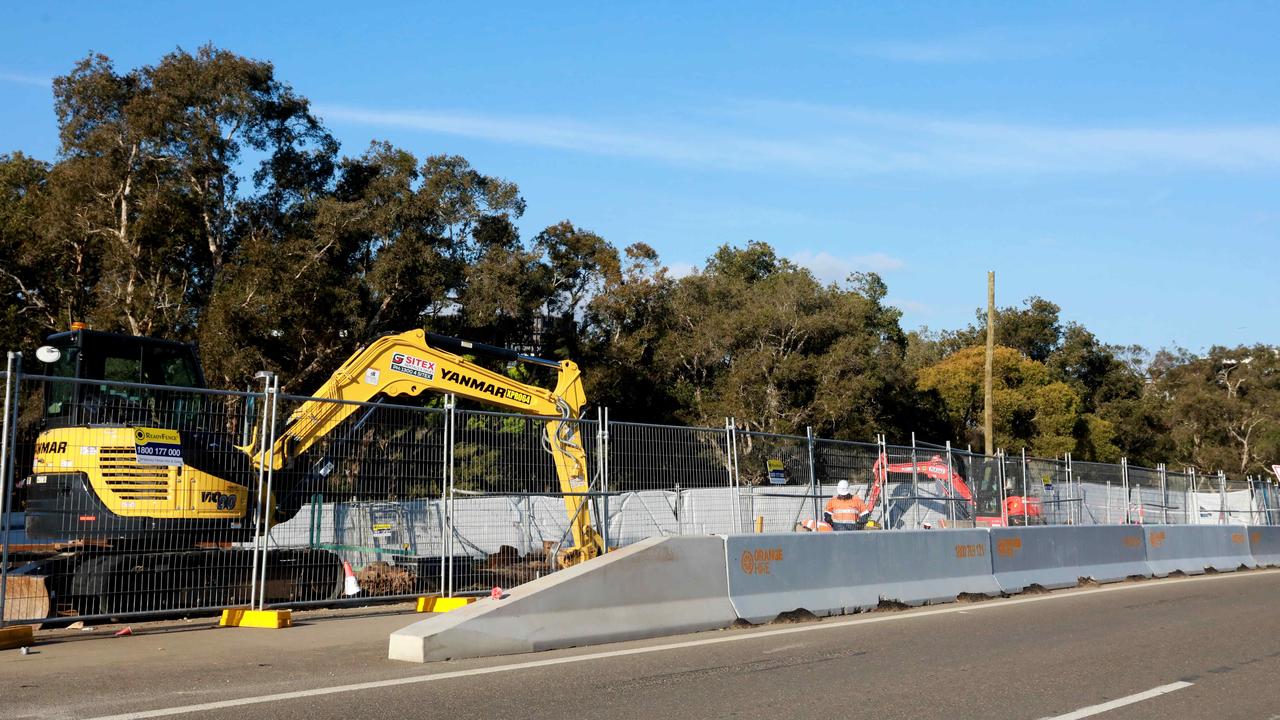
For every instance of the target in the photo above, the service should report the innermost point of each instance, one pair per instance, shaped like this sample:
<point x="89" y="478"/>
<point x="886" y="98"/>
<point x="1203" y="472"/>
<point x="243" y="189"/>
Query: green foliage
<point x="199" y="198"/>
<point x="758" y="338"/>
<point x="1223" y="409"/>
<point x="1032" y="409"/>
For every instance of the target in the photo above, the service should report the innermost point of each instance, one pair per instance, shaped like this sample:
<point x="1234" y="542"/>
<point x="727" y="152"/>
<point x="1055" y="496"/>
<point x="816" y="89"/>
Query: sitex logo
<point x="411" y="365"/>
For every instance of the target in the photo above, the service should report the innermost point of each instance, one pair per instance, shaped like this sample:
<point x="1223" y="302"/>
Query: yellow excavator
<point x="149" y="490"/>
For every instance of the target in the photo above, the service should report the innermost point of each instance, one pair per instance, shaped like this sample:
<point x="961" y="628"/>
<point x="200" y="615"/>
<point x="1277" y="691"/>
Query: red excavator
<point x="983" y="509"/>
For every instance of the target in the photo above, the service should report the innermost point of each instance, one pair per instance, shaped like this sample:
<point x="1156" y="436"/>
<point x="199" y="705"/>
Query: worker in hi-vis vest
<point x="844" y="511"/>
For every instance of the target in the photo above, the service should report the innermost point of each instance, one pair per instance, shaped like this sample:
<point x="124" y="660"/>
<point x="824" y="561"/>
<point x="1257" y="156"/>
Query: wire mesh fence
<point x="126" y="498"/>
<point x="134" y="499"/>
<point x="364" y="496"/>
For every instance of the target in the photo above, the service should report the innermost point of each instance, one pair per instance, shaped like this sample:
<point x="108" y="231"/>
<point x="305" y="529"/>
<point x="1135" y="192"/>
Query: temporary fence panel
<point x="1177" y="498"/>
<point x="1234" y="507"/>
<point x="360" y="485"/>
<point x="1146" y="503"/>
<point x="511" y="512"/>
<point x="1049" y="485"/>
<point x="775" y="479"/>
<point x="1104" y="496"/>
<point x="677" y="460"/>
<point x="137" y="496"/>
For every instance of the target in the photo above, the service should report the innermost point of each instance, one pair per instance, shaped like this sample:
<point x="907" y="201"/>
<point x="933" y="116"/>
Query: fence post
<point x="8" y="452"/>
<point x="602" y="465"/>
<point x="1000" y="481"/>
<point x="1124" y="484"/>
<point x="731" y="437"/>
<point x="1188" y="495"/>
<point x="1222" y="498"/>
<point x="1024" y="488"/>
<point x="951" y="488"/>
<point x="273" y="390"/>
<point x="450" y="418"/>
<point x="882" y="447"/>
<point x="813" y="474"/>
<point x="915" y="483"/>
<point x="1164" y="493"/>
<point x="1252" y="500"/>
<point x="259" y="509"/>
<point x="1075" y="516"/>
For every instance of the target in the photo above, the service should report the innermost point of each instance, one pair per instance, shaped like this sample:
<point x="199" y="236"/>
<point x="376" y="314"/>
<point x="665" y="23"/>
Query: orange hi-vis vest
<point x="845" y="510"/>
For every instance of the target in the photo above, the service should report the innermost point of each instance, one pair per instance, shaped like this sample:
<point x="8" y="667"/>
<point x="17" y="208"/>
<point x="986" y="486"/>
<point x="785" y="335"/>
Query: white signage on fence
<point x="157" y="446"/>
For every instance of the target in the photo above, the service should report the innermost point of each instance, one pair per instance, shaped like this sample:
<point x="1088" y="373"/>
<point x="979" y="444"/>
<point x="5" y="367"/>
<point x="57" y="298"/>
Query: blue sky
<point x="1121" y="160"/>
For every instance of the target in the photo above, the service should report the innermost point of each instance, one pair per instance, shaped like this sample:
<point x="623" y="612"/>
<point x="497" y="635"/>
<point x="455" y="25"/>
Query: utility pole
<point x="987" y="412"/>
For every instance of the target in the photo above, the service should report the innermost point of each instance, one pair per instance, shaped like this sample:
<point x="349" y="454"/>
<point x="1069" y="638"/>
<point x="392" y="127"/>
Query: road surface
<point x="1184" y="647"/>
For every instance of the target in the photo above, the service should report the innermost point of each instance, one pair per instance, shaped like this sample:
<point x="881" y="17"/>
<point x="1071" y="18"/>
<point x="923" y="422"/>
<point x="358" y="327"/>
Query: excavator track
<point x="119" y="583"/>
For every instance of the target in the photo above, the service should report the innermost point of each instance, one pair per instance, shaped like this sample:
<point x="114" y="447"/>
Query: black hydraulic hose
<point x="459" y="347"/>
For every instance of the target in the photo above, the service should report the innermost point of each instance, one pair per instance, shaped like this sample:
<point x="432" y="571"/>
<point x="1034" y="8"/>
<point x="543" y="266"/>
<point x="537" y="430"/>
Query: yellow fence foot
<point x="443" y="604"/>
<point x="257" y="618"/>
<point x="16" y="636"/>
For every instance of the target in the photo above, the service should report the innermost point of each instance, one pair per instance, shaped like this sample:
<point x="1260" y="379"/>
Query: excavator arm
<point x="935" y="468"/>
<point x="415" y="362"/>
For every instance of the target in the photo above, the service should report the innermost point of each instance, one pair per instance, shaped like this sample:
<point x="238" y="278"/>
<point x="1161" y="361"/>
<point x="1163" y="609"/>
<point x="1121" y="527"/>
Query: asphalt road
<point x="1198" y="647"/>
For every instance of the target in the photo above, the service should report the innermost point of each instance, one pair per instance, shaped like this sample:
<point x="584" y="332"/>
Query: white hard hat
<point x="842" y="488"/>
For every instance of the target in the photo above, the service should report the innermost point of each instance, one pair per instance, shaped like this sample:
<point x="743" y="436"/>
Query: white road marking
<point x="1121" y="702"/>
<point x="728" y="638"/>
<point x="780" y="648"/>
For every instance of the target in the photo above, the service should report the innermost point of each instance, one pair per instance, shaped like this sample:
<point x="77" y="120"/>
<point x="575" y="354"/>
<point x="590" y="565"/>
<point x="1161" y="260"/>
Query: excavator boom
<point x="416" y="362"/>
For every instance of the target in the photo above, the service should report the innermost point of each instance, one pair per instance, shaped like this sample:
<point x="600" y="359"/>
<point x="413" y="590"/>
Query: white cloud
<point x="984" y="45"/>
<point x="677" y="270"/>
<point x="829" y="141"/>
<point x="911" y="306"/>
<point x="25" y="79"/>
<point x="833" y="269"/>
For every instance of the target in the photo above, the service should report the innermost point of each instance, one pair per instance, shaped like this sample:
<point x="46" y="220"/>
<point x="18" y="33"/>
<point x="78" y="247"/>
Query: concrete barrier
<point x="1058" y="556"/>
<point x="1264" y="545"/>
<point x="1194" y="548"/>
<point x="834" y="573"/>
<point x="659" y="586"/>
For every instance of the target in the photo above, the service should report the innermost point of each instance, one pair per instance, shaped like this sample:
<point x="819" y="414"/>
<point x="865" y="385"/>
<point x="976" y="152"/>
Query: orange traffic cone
<point x="350" y="586"/>
<point x="125" y="632"/>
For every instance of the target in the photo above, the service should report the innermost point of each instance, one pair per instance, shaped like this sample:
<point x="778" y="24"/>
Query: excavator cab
<point x="88" y="355"/>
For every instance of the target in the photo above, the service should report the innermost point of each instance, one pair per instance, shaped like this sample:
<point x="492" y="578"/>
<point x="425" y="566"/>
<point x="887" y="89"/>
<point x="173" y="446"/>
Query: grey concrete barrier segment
<point x="1194" y="548"/>
<point x="659" y="586"/>
<point x="834" y="573"/>
<point x="1058" y="556"/>
<point x="1264" y="545"/>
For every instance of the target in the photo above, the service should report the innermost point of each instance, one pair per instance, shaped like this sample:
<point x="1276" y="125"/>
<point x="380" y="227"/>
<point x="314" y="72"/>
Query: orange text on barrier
<point x="971" y="551"/>
<point x="1157" y="539"/>
<point x="757" y="562"/>
<point x="1008" y="546"/>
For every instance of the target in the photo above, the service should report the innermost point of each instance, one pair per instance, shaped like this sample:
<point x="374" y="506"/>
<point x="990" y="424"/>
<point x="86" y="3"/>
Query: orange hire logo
<point x="1008" y="546"/>
<point x="1133" y="541"/>
<point x="975" y="550"/>
<point x="1237" y="538"/>
<point x="757" y="562"/>
<point x="1157" y="539"/>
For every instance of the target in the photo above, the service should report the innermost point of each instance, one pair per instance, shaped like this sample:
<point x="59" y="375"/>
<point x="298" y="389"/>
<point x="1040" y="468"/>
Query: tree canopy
<point x="202" y="199"/>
